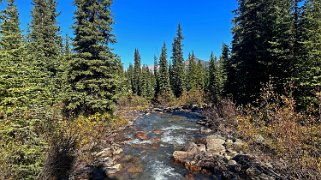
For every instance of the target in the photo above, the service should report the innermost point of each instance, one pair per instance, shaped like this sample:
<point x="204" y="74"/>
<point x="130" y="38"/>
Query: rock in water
<point x="141" y="136"/>
<point x="182" y="156"/>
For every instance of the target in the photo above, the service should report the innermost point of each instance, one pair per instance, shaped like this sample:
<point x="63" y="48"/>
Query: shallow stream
<point x="151" y="142"/>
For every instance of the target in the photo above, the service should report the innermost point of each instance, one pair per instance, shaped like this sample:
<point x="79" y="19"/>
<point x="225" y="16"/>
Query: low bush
<point x="132" y="102"/>
<point x="276" y="128"/>
<point x="192" y="97"/>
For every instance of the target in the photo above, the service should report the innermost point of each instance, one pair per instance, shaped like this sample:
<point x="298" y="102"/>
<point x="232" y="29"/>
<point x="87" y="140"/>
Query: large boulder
<point x="182" y="156"/>
<point x="215" y="144"/>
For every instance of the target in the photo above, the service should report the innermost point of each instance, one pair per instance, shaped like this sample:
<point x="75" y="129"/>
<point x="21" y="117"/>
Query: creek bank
<point x="220" y="156"/>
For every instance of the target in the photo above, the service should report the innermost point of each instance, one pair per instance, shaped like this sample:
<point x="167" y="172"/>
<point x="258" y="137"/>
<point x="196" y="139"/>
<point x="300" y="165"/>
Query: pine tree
<point x="156" y="75"/>
<point x="212" y="86"/>
<point x="192" y="72"/>
<point x="178" y="81"/>
<point x="137" y="74"/>
<point x="165" y="91"/>
<point x="45" y="47"/>
<point x="13" y="68"/>
<point x="94" y="67"/>
<point x="147" y="83"/>
<point x="309" y="77"/>
<point x="262" y="47"/>
<point x="224" y="63"/>
<point x="19" y="138"/>
<point x="200" y="75"/>
<point x="281" y="44"/>
<point x="129" y="76"/>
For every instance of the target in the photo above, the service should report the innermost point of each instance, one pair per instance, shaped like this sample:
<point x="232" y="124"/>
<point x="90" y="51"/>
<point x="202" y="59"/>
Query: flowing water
<point x="152" y="158"/>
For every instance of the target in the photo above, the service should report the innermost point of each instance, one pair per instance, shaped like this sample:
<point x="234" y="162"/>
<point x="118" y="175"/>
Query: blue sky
<point x="147" y="24"/>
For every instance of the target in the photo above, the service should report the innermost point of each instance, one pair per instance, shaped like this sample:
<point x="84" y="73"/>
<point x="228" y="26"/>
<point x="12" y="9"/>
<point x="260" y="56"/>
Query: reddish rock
<point x="141" y="135"/>
<point x="181" y="156"/>
<point x="157" y="131"/>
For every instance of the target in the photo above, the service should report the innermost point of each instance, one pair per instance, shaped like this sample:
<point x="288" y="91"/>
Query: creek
<point x="150" y="143"/>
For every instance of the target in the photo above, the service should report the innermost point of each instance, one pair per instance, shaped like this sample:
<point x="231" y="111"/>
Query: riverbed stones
<point x="205" y="130"/>
<point x="113" y="169"/>
<point x="135" y="169"/>
<point x="141" y="136"/>
<point x="182" y="156"/>
<point x="215" y="144"/>
<point x="232" y="163"/>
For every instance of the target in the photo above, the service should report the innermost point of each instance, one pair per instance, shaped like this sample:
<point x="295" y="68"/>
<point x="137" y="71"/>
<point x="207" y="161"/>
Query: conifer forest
<point x="70" y="108"/>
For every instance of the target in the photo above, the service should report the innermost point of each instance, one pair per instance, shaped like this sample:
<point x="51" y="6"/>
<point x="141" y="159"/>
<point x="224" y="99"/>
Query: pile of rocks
<point x="108" y="157"/>
<point x="220" y="156"/>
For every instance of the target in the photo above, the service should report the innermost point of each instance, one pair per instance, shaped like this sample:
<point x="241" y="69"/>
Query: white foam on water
<point x="168" y="138"/>
<point x="174" y="127"/>
<point x="137" y="141"/>
<point x="163" y="172"/>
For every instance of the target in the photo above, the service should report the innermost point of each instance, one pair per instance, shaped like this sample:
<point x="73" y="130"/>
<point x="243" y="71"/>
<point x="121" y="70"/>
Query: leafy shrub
<point x="192" y="97"/>
<point x="274" y="127"/>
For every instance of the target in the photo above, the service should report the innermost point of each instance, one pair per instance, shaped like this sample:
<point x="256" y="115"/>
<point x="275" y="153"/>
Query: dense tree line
<point x="277" y="42"/>
<point x="39" y="70"/>
<point x="170" y="80"/>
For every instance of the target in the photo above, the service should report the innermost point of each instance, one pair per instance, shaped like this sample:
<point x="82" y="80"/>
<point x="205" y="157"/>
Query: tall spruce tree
<point x="45" y="47"/>
<point x="137" y="74"/>
<point x="281" y="44"/>
<point x="165" y="91"/>
<point x="178" y="81"/>
<point x="309" y="77"/>
<point x="19" y="138"/>
<point x="156" y="75"/>
<point x="212" y="86"/>
<point x="262" y="47"/>
<point x="93" y="69"/>
<point x="11" y="63"/>
<point x="192" y="72"/>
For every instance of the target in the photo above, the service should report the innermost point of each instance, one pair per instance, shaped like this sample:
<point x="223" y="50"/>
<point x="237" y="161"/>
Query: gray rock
<point x="232" y="163"/>
<point x="108" y="162"/>
<point x="252" y="172"/>
<point x="114" y="169"/>
<point x="229" y="143"/>
<point x="215" y="144"/>
<point x="104" y="153"/>
<point x="205" y="130"/>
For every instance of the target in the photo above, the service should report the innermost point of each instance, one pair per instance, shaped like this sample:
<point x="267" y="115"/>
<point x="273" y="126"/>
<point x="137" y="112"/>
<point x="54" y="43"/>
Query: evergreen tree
<point x="309" y="77"/>
<point x="281" y="44"/>
<point x="178" y="81"/>
<point x="156" y="75"/>
<point x="129" y="76"/>
<point x="45" y="47"/>
<point x="92" y="74"/>
<point x="262" y="47"/>
<point x="212" y="87"/>
<point x="19" y="138"/>
<point x="224" y="63"/>
<point x="147" y="83"/>
<point x="67" y="50"/>
<point x="137" y="74"/>
<point x="192" y="72"/>
<point x="165" y="91"/>
<point x="200" y="75"/>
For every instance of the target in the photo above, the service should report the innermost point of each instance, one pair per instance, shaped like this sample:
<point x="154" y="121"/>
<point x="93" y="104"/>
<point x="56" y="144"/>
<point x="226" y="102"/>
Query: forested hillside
<point x="59" y="94"/>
